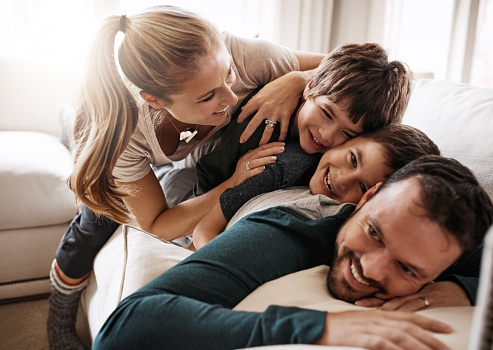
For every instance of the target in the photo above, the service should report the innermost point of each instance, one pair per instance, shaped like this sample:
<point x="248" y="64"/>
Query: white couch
<point x="36" y="206"/>
<point x="459" y="118"/>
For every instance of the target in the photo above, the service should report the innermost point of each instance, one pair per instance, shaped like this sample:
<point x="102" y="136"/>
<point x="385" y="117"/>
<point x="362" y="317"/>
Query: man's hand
<point x="438" y="294"/>
<point x="381" y="330"/>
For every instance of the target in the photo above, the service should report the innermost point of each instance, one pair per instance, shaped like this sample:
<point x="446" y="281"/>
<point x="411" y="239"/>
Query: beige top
<point x="256" y="62"/>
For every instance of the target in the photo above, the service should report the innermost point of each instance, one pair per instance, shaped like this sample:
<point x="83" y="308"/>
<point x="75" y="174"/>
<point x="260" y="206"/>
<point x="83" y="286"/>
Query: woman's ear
<point x="308" y="87"/>
<point x="152" y="100"/>
<point x="368" y="194"/>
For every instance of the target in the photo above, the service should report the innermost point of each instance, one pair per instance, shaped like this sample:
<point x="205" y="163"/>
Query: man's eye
<point x="354" y="161"/>
<point x="406" y="270"/>
<point x="373" y="234"/>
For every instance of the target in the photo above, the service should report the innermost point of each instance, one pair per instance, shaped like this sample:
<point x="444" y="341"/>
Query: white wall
<point x="31" y="90"/>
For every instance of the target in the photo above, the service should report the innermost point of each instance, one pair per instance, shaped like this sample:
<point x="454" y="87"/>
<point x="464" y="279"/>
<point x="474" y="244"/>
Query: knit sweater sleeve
<point x="293" y="167"/>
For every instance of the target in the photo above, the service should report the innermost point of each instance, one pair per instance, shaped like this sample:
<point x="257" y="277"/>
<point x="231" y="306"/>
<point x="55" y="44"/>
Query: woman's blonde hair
<point x="160" y="50"/>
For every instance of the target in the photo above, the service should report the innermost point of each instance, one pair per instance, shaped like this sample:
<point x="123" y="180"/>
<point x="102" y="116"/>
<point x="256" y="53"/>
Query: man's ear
<point x="152" y="100"/>
<point x="308" y="87"/>
<point x="368" y="194"/>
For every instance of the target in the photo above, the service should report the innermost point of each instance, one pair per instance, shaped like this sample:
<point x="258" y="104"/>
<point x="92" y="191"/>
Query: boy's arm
<point x="209" y="227"/>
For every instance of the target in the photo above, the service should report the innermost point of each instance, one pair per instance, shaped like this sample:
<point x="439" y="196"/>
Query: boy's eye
<point x="327" y="114"/>
<point x="208" y="98"/>
<point x="354" y="161"/>
<point x="348" y="135"/>
<point x="363" y="188"/>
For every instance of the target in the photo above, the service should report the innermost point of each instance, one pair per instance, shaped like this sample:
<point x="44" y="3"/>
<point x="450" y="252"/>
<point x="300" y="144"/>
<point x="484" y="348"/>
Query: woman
<point x="176" y="74"/>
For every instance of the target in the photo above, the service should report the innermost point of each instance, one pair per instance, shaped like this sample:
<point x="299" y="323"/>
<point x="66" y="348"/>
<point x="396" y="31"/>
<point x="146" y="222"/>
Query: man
<point x="402" y="236"/>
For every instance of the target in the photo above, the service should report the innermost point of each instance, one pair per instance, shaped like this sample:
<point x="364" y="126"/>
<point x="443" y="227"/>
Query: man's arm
<point x="189" y="306"/>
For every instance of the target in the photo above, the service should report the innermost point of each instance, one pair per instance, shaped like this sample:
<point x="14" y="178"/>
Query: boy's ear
<point x="152" y="100"/>
<point x="308" y="87"/>
<point x="368" y="194"/>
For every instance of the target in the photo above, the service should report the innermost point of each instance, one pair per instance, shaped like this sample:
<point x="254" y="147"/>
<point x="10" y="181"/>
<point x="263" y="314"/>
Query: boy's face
<point x="323" y="124"/>
<point x="347" y="171"/>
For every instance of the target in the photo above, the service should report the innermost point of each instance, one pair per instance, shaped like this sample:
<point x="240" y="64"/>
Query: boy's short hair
<point x="377" y="90"/>
<point x="402" y="144"/>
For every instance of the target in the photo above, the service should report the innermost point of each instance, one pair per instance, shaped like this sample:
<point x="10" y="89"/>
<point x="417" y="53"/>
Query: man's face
<point x="389" y="248"/>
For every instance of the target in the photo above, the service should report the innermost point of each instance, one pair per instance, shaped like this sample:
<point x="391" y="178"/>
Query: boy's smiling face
<point x="322" y="124"/>
<point x="347" y="171"/>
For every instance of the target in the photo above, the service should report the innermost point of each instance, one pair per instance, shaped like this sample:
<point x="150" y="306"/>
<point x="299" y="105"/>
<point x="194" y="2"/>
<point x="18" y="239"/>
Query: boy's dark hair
<point x="402" y="144"/>
<point x="452" y="196"/>
<point x="377" y="90"/>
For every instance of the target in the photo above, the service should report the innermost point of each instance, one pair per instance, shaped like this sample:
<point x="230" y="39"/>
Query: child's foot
<point x="62" y="315"/>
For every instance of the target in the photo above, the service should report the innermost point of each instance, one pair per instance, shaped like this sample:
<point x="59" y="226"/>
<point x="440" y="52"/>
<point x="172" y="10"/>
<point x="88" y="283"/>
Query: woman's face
<point x="347" y="171"/>
<point x="205" y="98"/>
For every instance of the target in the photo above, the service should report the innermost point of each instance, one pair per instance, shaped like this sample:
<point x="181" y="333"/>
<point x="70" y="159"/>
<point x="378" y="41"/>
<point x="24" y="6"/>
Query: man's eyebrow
<point x="418" y="271"/>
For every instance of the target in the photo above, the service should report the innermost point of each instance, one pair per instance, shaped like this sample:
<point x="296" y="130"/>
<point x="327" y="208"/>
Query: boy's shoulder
<point x="298" y="199"/>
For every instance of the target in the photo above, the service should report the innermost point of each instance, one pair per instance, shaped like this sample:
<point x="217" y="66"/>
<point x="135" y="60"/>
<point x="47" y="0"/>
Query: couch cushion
<point x="128" y="261"/>
<point x="459" y="118"/>
<point x="33" y="171"/>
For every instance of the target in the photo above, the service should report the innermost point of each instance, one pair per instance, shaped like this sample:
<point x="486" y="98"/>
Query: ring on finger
<point x="427" y="303"/>
<point x="270" y="123"/>
<point x="247" y="167"/>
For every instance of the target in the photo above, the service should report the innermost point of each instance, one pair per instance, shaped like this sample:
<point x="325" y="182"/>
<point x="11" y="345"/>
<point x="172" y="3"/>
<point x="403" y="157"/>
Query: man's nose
<point x="376" y="265"/>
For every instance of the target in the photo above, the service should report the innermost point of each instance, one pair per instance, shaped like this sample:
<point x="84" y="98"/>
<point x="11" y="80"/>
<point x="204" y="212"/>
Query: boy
<point x="354" y="90"/>
<point x="344" y="173"/>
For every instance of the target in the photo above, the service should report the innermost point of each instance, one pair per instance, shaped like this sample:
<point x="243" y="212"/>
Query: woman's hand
<point x="437" y="294"/>
<point x="254" y="162"/>
<point x="276" y="102"/>
<point x="376" y="329"/>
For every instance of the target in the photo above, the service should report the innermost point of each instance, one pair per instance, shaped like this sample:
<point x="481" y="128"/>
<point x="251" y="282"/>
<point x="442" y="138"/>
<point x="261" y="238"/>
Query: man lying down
<point x="422" y="225"/>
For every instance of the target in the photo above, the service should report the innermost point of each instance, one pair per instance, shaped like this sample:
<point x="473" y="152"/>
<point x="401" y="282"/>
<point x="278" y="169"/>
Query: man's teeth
<point x="357" y="277"/>
<point x="327" y="183"/>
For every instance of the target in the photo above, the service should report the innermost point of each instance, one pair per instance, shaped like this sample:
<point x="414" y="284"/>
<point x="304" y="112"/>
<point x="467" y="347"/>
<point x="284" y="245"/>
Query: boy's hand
<point x="276" y="102"/>
<point x="439" y="294"/>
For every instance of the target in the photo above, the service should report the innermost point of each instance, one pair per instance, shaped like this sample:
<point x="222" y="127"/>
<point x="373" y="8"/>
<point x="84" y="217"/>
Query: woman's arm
<point x="149" y="207"/>
<point x="209" y="227"/>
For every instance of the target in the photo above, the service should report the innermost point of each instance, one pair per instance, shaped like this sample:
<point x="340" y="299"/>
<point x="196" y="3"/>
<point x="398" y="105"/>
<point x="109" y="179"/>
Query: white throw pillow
<point x="459" y="119"/>
<point x="128" y="261"/>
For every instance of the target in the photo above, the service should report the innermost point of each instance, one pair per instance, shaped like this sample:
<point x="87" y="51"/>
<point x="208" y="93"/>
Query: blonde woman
<point x="173" y="83"/>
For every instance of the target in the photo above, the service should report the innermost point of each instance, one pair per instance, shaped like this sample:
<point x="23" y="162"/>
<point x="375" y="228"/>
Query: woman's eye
<point x="354" y="161"/>
<point x="208" y="98"/>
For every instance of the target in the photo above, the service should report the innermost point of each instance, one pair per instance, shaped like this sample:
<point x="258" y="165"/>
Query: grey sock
<point x="62" y="315"/>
